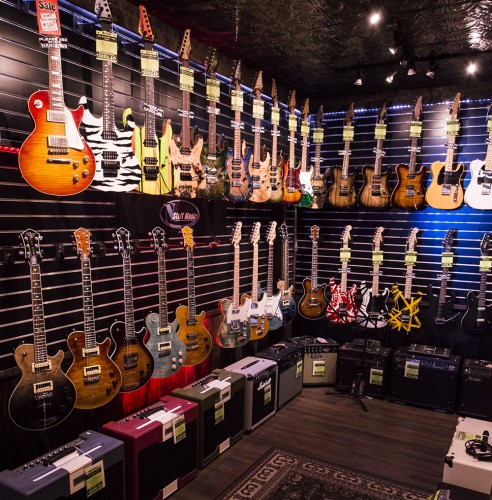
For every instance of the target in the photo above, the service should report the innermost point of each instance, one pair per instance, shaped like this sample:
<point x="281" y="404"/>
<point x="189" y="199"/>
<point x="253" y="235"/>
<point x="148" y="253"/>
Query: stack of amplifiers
<point x="320" y="360"/>
<point x="220" y="398"/>
<point x="90" y="466"/>
<point x="160" y="447"/>
<point x="475" y="389"/>
<point x="288" y="357"/>
<point x="260" y="389"/>
<point x="373" y="364"/>
<point x="424" y="380"/>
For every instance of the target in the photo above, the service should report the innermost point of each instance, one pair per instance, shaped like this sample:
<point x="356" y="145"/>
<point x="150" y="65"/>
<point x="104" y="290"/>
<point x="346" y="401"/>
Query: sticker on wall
<point x="179" y="213"/>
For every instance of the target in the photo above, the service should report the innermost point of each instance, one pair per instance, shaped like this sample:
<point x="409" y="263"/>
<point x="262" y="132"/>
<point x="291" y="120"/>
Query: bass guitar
<point x="44" y="396"/>
<point x="272" y="305"/>
<point x="305" y="171"/>
<point x="313" y="302"/>
<point x="342" y="307"/>
<point x="166" y="347"/>
<point x="409" y="190"/>
<point x="277" y="162"/>
<point x="373" y="312"/>
<point x="375" y="193"/>
<point x="445" y="191"/>
<point x="292" y="185"/>
<point x="287" y="302"/>
<point x="134" y="360"/>
<point x="192" y="331"/>
<point x="234" y="326"/>
<point x="318" y="181"/>
<point x="117" y="167"/>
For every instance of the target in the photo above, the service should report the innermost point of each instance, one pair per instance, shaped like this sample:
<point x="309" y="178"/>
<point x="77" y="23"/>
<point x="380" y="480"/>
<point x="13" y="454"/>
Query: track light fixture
<point x="358" y="79"/>
<point x="411" y="67"/>
<point x="391" y="76"/>
<point x="433" y="67"/>
<point x="397" y="42"/>
<point x="471" y="68"/>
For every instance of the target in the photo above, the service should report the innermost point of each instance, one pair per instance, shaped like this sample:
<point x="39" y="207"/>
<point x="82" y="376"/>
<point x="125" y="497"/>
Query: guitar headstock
<point x="83" y="242"/>
<point x="382" y="113"/>
<point x="32" y="247"/>
<point x="101" y="8"/>
<point x="185" y="46"/>
<point x="258" y="86"/>
<point x="159" y="237"/>
<point x="489" y="111"/>
<point x="447" y="242"/>
<point x="319" y="117"/>
<point x="284" y="232"/>
<point x="236" y="77"/>
<point x="485" y="244"/>
<point x="255" y="233"/>
<point x="122" y="236"/>
<point x="350" y="115"/>
<point x="272" y="232"/>
<point x="377" y="239"/>
<point x="292" y="102"/>
<point x="274" y="93"/>
<point x="346" y="236"/>
<point x="144" y="27"/>
<point x="305" y="109"/>
<point x="314" y="233"/>
<point x="187" y="233"/>
<point x="455" y="107"/>
<point x="417" y="109"/>
<point x="236" y="234"/>
<point x="211" y="62"/>
<point x="412" y="239"/>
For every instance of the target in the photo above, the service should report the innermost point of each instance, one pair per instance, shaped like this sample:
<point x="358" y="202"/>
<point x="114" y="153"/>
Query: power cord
<point x="480" y="448"/>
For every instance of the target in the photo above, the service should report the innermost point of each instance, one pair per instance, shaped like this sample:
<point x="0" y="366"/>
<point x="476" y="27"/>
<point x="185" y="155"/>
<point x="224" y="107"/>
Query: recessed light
<point x="472" y="68"/>
<point x="374" y="18"/>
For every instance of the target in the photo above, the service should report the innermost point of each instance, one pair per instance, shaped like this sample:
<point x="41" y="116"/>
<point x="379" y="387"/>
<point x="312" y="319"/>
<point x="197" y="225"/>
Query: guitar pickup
<point x="130" y="360"/>
<point x="211" y="179"/>
<point x="285" y="303"/>
<point x="43" y="387"/>
<point x="148" y="160"/>
<point x="90" y="351"/>
<point x="92" y="373"/>
<point x="41" y="367"/>
<point x="405" y="318"/>
<point x="236" y="175"/>
<point x="55" y="116"/>
<point x="192" y="336"/>
<point x="150" y="143"/>
<point x="192" y="346"/>
<point x="211" y="157"/>
<point x="163" y="348"/>
<point x="256" y="178"/>
<point x="316" y="189"/>
<point x="410" y="190"/>
<point x="485" y="188"/>
<point x="256" y="185"/>
<point x="185" y="167"/>
<point x="211" y="171"/>
<point x="109" y="135"/>
<point x="236" y="184"/>
<point x="164" y="330"/>
<point x="150" y="173"/>
<point x="185" y="176"/>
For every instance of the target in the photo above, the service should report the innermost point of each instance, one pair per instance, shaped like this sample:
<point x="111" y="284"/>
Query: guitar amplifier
<point x="424" y="380"/>
<point x="90" y="466"/>
<point x="288" y="357"/>
<point x="220" y="398"/>
<point x="320" y="360"/>
<point x="475" y="389"/>
<point x="374" y="364"/>
<point x="161" y="444"/>
<point x="260" y="389"/>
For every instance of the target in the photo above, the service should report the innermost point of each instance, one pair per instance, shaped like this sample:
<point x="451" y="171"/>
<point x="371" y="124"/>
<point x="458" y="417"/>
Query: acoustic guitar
<point x="277" y="162"/>
<point x="292" y="185"/>
<point x="318" y="181"/>
<point x="287" y="302"/>
<point x="305" y="170"/>
<point x="272" y="304"/>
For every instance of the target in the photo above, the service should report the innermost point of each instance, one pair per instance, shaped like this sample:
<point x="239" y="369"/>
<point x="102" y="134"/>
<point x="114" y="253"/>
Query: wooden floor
<point x="394" y="441"/>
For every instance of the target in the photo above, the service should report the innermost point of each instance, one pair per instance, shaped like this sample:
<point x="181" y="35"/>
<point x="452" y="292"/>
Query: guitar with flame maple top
<point x="292" y="185"/>
<point x="277" y="161"/>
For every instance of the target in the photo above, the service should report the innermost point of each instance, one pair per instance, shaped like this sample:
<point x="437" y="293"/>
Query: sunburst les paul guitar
<point x="318" y="182"/>
<point x="287" y="301"/>
<point x="277" y="162"/>
<point x="96" y="377"/>
<point x="292" y="185"/>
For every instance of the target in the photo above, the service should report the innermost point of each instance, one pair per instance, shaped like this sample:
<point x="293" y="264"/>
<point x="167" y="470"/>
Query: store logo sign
<point x="179" y="213"/>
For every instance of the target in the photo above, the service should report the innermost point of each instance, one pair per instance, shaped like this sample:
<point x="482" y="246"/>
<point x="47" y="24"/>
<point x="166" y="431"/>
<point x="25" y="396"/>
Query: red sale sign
<point x="48" y="17"/>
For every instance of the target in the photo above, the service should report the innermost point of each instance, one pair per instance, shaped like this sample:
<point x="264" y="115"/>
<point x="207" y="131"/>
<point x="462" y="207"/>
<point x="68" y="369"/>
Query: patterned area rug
<point x="280" y="474"/>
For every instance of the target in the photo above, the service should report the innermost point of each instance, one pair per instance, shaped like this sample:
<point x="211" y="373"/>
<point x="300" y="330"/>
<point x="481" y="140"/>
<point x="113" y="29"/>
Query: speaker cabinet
<point x="475" y="389"/>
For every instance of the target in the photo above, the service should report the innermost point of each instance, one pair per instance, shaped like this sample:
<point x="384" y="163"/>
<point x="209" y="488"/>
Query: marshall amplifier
<point x="90" y="466"/>
<point x="260" y="389"/>
<point x="475" y="389"/>
<point x="320" y="360"/>
<point x="288" y="357"/>
<point x="220" y="398"/>
<point x="160" y="447"/>
<point x="374" y="364"/>
<point x="424" y="380"/>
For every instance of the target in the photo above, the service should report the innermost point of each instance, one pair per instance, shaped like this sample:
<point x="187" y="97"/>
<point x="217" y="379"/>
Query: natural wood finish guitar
<point x="292" y="186"/>
<point x="318" y="181"/>
<point x="277" y="162"/>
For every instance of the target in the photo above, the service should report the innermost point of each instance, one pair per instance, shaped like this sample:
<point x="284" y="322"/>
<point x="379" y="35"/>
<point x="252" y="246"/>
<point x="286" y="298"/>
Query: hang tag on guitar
<point x="318" y="134"/>
<point x="348" y="133"/>
<point x="453" y="127"/>
<point x="410" y="258"/>
<point x="237" y="100"/>
<point x="415" y="129"/>
<point x="305" y="128"/>
<point x="106" y="46"/>
<point x="149" y="63"/>
<point x="380" y="132"/>
<point x="292" y="123"/>
<point x="258" y="109"/>
<point x="447" y="259"/>
<point x="377" y="257"/>
<point x="275" y="116"/>
<point x="213" y="90"/>
<point x="485" y="264"/>
<point x="345" y="254"/>
<point x="186" y="79"/>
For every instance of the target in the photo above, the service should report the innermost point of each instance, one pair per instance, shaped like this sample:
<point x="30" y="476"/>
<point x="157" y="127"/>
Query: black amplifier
<point x="288" y="357"/>
<point x="90" y="466"/>
<point x="475" y="389"/>
<point x="424" y="380"/>
<point x="320" y="359"/>
<point x="373" y="364"/>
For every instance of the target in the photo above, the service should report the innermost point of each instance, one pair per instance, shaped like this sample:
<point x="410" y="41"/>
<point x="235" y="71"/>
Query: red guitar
<point x="292" y="185"/>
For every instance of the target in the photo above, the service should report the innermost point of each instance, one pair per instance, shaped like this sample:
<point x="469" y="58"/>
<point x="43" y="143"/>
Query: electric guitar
<point x="213" y="159"/>
<point x="234" y="328"/>
<point x="287" y="302"/>
<point x="237" y="163"/>
<point x="93" y="373"/>
<point x="134" y="360"/>
<point x="313" y="302"/>
<point x="189" y="177"/>
<point x="318" y="181"/>
<point x="342" y="193"/>
<point x="277" y="165"/>
<point x="373" y="312"/>
<point x="292" y="185"/>
<point x="478" y="194"/>
<point x="192" y="331"/>
<point x="164" y="344"/>
<point x="342" y="307"/>
<point x="305" y="172"/>
<point x="404" y="314"/>
<point x="55" y="159"/>
<point x="117" y="167"/>
<point x="445" y="190"/>
<point x="375" y="193"/>
<point x="44" y="396"/>
<point x="409" y="190"/>
<point x="272" y="305"/>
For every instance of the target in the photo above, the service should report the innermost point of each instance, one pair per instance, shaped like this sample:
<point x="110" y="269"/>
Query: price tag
<point x="377" y="257"/>
<point x="48" y="18"/>
<point x="453" y="127"/>
<point x="345" y="254"/>
<point x="299" y="368"/>
<point x="94" y="478"/>
<point x="305" y="128"/>
<point x="380" y="132"/>
<point x="267" y="394"/>
<point x="447" y="259"/>
<point x="275" y="116"/>
<point x="489" y="124"/>
<point x="292" y="123"/>
<point x="237" y="100"/>
<point x="106" y="46"/>
<point x="318" y="368"/>
<point x="213" y="90"/>
<point x="149" y="62"/>
<point x="219" y="412"/>
<point x="186" y="79"/>
<point x="485" y="264"/>
<point x="376" y="376"/>
<point x="415" y="129"/>
<point x="179" y="429"/>
<point x="410" y="258"/>
<point x="258" y="109"/>
<point x="348" y="133"/>
<point x="318" y="135"/>
<point x="412" y="368"/>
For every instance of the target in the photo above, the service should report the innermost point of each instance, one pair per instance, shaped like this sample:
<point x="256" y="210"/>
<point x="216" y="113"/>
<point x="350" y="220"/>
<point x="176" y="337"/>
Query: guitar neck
<point x="269" y="290"/>
<point x="191" y="286"/>
<point x="89" y="323"/>
<point x="237" y="135"/>
<point x="55" y="81"/>
<point x="128" y="293"/>
<point x="379" y="159"/>
<point x="163" y="310"/>
<point x="40" y="351"/>
<point x="442" y="293"/>
<point x="481" y="295"/>
<point x="408" y="283"/>
<point x="343" y="277"/>
<point x="448" y="166"/>
<point x="274" y="144"/>
<point x="235" y="292"/>
<point x="488" y="158"/>
<point x="413" y="158"/>
<point x="314" y="264"/>
<point x="185" y="122"/>
<point x="375" y="280"/>
<point x="257" y="139"/>
<point x="304" y="153"/>
<point x="317" y="160"/>
<point x="212" y="125"/>
<point x="254" y="287"/>
<point x="149" y="114"/>
<point x="286" y="266"/>
<point x="346" y="161"/>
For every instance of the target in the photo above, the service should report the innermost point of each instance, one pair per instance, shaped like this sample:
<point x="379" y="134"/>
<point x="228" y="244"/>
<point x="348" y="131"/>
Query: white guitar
<point x="272" y="309"/>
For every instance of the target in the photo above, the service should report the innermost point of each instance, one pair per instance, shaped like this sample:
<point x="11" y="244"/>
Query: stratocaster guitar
<point x="189" y="177"/>
<point x="277" y="165"/>
<point x="117" y="167"/>
<point x="55" y="159"/>
<point x="409" y="190"/>
<point x="404" y="314"/>
<point x="192" y="331"/>
<point x="313" y="302"/>
<point x="44" y="396"/>
<point x="373" y="312"/>
<point x="234" y="328"/>
<point x="134" y="360"/>
<point x="445" y="190"/>
<point x="305" y="171"/>
<point x="164" y="344"/>
<point x="478" y="194"/>
<point x="342" y="307"/>
<point x="374" y="192"/>
<point x="287" y="302"/>
<point x="95" y="376"/>
<point x="318" y="181"/>
<point x="272" y="304"/>
<point x="292" y="185"/>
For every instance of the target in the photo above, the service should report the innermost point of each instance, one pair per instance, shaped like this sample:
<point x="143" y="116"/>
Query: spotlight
<point x="397" y="42"/>
<point x="412" y="67"/>
<point x="472" y="68"/>
<point x="433" y="66"/>
<point x="358" y="79"/>
<point x="391" y="77"/>
<point x="374" y="18"/>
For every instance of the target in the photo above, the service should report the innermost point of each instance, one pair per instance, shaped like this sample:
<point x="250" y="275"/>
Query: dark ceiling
<point x="317" y="46"/>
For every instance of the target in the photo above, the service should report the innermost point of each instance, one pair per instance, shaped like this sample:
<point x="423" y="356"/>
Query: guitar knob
<point x="180" y="361"/>
<point x="173" y="367"/>
<point x="180" y="353"/>
<point x="85" y="173"/>
<point x="76" y="164"/>
<point x="85" y="159"/>
<point x="76" y="179"/>
<point x="173" y="360"/>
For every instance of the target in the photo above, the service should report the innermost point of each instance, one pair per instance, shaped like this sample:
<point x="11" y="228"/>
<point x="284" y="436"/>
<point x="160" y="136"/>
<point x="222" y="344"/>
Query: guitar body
<point x="258" y="320"/>
<point x="217" y="182"/>
<point x="56" y="170"/>
<point x="409" y="190"/>
<point x="342" y="193"/>
<point x="234" y="330"/>
<point x="239" y="180"/>
<point x="276" y="181"/>
<point x="305" y="179"/>
<point x="477" y="195"/>
<point x="49" y="407"/>
<point x="261" y="189"/>
<point x="132" y="357"/>
<point x="152" y="180"/>
<point x="404" y="315"/>
<point x="96" y="378"/>
<point x="195" y="337"/>
<point x="165" y="346"/>
<point x="273" y="311"/>
<point x="292" y="186"/>
<point x="469" y="325"/>
<point x="342" y="307"/>
<point x="367" y="198"/>
<point x="435" y="196"/>
<point x="373" y="312"/>
<point x="287" y="303"/>
<point x="319" y="190"/>
<point x="449" y="316"/>
<point x="189" y="178"/>
<point x="313" y="303"/>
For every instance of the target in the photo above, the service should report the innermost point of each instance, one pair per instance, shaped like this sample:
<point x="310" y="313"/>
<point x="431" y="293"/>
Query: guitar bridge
<point x="92" y="374"/>
<point x="446" y="189"/>
<point x="164" y="349"/>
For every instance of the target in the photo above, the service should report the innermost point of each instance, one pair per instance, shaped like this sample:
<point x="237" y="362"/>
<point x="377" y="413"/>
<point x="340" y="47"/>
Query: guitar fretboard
<point x="375" y="280"/>
<point x="185" y="130"/>
<point x="40" y="352"/>
<point x="269" y="290"/>
<point x="149" y="113"/>
<point x="314" y="264"/>
<point x="128" y="294"/>
<point x="274" y="145"/>
<point x="292" y="159"/>
<point x="488" y="157"/>
<point x="408" y="282"/>
<point x="254" y="287"/>
<point x="346" y="161"/>
<point x="237" y="131"/>
<point x="317" y="160"/>
<point x="235" y="291"/>
<point x="304" y="149"/>
<point x="448" y="165"/>
<point x="442" y="293"/>
<point x="55" y="80"/>
<point x="89" y="323"/>
<point x="163" y="310"/>
<point x="212" y="125"/>
<point x="413" y="158"/>
<point x="286" y="267"/>
<point x="343" y="277"/>
<point x="191" y="286"/>
<point x="108" y="96"/>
